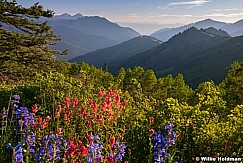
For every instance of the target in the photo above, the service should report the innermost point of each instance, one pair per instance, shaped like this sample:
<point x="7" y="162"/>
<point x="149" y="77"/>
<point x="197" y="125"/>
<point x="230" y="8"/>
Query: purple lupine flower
<point x="24" y="117"/>
<point x="95" y="152"/>
<point x="122" y="149"/>
<point x="162" y="142"/>
<point x="18" y="153"/>
<point x="30" y="139"/>
<point x="31" y="119"/>
<point x="15" y="101"/>
<point x="119" y="151"/>
<point x="9" y="145"/>
<point x="118" y="156"/>
<point x="51" y="143"/>
<point x="96" y="137"/>
<point x="169" y="126"/>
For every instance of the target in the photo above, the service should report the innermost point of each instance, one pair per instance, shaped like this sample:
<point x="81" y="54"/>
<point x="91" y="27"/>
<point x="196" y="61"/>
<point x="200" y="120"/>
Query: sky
<point x="148" y="15"/>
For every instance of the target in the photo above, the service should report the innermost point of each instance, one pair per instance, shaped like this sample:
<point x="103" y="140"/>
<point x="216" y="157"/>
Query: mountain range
<point x="198" y="54"/>
<point x="200" y="51"/>
<point x="83" y="34"/>
<point x="234" y="29"/>
<point x="118" y="53"/>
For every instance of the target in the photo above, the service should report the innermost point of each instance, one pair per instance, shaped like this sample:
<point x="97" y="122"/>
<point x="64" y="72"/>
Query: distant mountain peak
<point x="216" y="32"/>
<point x="209" y="19"/>
<point x="68" y="16"/>
<point x="166" y="34"/>
<point x="194" y="32"/>
<point x="65" y="14"/>
<point x="77" y="16"/>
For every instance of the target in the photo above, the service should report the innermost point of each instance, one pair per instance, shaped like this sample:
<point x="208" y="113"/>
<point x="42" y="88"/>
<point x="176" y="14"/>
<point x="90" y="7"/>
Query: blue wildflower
<point x="18" y="153"/>
<point x="9" y="145"/>
<point x="162" y="142"/>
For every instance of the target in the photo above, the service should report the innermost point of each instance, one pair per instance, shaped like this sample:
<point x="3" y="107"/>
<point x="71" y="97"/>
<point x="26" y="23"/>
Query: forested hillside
<point x="56" y="111"/>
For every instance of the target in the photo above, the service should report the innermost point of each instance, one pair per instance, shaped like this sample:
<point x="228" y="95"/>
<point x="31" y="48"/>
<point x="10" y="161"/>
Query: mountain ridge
<point x="119" y="52"/>
<point x="165" y="34"/>
<point x="198" y="55"/>
<point x="88" y="33"/>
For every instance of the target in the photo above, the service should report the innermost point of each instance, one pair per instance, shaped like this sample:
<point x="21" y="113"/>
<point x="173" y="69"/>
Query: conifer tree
<point x="25" y="42"/>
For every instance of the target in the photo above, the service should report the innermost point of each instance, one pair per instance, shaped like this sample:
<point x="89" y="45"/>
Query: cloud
<point x="162" y="7"/>
<point x="193" y="2"/>
<point x="134" y="16"/>
<point x="227" y="9"/>
<point x="231" y="15"/>
<point x="169" y="15"/>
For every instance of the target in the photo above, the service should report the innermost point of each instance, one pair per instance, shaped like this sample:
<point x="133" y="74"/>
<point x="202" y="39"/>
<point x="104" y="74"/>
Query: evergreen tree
<point x="148" y="82"/>
<point x="233" y="85"/>
<point x="25" y="43"/>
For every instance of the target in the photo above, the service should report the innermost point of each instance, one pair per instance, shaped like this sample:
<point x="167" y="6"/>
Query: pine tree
<point x="233" y="85"/>
<point x="25" y="42"/>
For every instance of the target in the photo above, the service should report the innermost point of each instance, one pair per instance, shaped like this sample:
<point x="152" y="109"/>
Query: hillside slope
<point x="198" y="54"/>
<point x="117" y="54"/>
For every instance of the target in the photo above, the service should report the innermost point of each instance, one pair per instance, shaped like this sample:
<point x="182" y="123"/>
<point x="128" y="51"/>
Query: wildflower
<point x="117" y="98"/>
<point x="15" y="101"/>
<point x="101" y="119"/>
<point x="31" y="119"/>
<point x="43" y="125"/>
<point x="83" y="112"/>
<point x="101" y="93"/>
<point x="151" y="119"/>
<point x="35" y="108"/>
<point x="59" y="131"/>
<point x="125" y="102"/>
<point x="74" y="102"/>
<point x="151" y="131"/>
<point x="109" y="158"/>
<point x="88" y="123"/>
<point x="227" y="144"/>
<point x="68" y="112"/>
<point x="112" y="141"/>
<point x="110" y="92"/>
<point x="162" y="142"/>
<point x="48" y="118"/>
<point x="89" y="102"/>
<point x="84" y="151"/>
<point x="190" y="123"/>
<point x="57" y="114"/>
<point x="51" y="144"/>
<point x="59" y="108"/>
<point x="80" y="142"/>
<point x="40" y="121"/>
<point x="95" y="105"/>
<point x="96" y="137"/>
<point x="66" y="101"/>
<point x="169" y="126"/>
<point x="9" y="145"/>
<point x="90" y="137"/>
<point x="65" y="119"/>
<point x="110" y="114"/>
<point x="30" y="139"/>
<point x="18" y="153"/>
<point x="108" y="101"/>
<point x="95" y="108"/>
<point x="95" y="151"/>
<point x="104" y="106"/>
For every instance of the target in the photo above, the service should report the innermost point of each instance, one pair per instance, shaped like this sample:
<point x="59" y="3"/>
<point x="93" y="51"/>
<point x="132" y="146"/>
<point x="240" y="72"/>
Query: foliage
<point x="71" y="113"/>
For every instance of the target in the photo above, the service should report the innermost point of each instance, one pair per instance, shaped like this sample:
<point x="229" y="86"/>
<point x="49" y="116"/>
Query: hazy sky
<point x="162" y="12"/>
